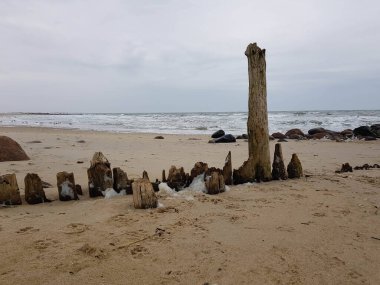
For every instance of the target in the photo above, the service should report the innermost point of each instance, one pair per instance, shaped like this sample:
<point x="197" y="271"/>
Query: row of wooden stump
<point x="101" y="178"/>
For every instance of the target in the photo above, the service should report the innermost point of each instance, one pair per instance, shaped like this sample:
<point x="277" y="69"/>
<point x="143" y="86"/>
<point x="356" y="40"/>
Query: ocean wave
<point x="193" y="123"/>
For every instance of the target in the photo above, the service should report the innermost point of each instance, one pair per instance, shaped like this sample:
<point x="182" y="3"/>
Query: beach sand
<point x="320" y="229"/>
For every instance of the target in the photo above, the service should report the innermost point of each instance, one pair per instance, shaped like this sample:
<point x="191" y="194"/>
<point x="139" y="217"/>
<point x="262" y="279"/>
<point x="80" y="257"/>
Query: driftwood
<point x="99" y="175"/>
<point x="34" y="192"/>
<point x="295" y="167"/>
<point x="227" y="170"/>
<point x="9" y="191"/>
<point x="278" y="166"/>
<point x="214" y="182"/>
<point x="66" y="186"/>
<point x="259" y="167"/>
<point x="143" y="194"/>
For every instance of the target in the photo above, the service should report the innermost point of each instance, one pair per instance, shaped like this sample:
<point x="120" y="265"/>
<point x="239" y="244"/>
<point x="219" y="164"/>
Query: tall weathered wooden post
<point x="258" y="133"/>
<point x="257" y="167"/>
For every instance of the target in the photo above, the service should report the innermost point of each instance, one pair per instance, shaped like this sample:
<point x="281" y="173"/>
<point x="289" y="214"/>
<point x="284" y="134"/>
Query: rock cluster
<point x="366" y="166"/>
<point x="362" y="133"/>
<point x="346" y="167"/>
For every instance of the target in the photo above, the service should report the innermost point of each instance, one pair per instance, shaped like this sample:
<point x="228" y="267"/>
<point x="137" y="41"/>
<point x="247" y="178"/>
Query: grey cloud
<point x="140" y="56"/>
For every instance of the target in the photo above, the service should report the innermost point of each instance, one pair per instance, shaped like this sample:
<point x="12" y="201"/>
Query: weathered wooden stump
<point x="9" y="191"/>
<point x="78" y="189"/>
<point x="227" y="170"/>
<point x="295" y="167"/>
<point x="34" y="192"/>
<point x="244" y="173"/>
<point x="66" y="186"/>
<point x="215" y="182"/>
<point x="145" y="175"/>
<point x="143" y="194"/>
<point x="257" y="168"/>
<point x="99" y="175"/>
<point x="278" y="166"/>
<point x="198" y="169"/>
<point x="177" y="178"/>
<point x="120" y="180"/>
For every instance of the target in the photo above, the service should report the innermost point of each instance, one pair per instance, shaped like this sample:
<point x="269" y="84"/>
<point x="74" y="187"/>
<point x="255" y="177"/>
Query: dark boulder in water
<point x="242" y="137"/>
<point x="321" y="135"/>
<point x="316" y="131"/>
<point x="225" y="139"/>
<point x="294" y="132"/>
<point x="347" y="133"/>
<point x="218" y="134"/>
<point x="376" y="130"/>
<point x="278" y="135"/>
<point x="296" y="137"/>
<point x="364" y="131"/>
<point x="369" y="138"/>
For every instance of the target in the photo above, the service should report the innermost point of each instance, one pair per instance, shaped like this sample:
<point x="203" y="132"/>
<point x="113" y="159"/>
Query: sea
<point x="192" y="123"/>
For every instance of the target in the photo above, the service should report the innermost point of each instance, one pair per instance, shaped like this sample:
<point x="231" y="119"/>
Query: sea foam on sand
<point x="196" y="187"/>
<point x="110" y="193"/>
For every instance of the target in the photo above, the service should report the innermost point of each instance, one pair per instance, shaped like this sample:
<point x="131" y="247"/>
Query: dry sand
<point x="322" y="229"/>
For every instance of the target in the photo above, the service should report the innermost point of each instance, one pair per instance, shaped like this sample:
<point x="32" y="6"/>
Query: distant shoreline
<point x="187" y="112"/>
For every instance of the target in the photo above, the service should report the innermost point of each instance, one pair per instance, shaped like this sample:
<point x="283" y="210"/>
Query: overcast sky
<point x="176" y="56"/>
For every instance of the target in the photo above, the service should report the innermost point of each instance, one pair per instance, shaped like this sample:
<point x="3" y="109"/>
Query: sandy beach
<point x="321" y="229"/>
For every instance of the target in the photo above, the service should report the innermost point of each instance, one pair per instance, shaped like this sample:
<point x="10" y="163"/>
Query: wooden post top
<point x="253" y="49"/>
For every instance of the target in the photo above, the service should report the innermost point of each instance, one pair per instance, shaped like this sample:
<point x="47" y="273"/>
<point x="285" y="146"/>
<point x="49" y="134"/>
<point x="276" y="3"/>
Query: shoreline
<point x="196" y="123"/>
